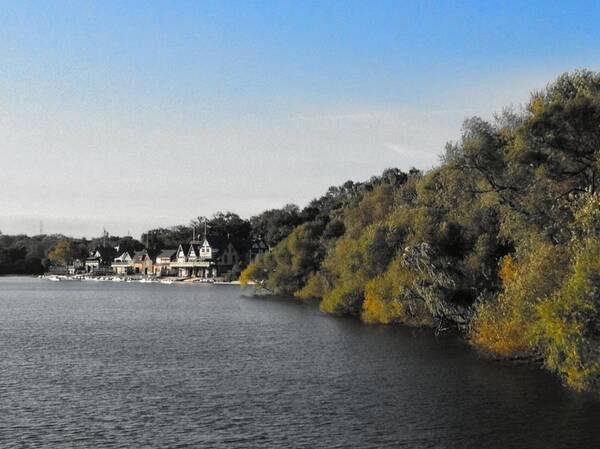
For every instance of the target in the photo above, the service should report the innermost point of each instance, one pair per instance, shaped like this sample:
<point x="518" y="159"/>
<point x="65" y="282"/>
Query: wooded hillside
<point x="501" y="241"/>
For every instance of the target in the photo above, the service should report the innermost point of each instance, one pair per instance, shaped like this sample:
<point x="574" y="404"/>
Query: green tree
<point x="501" y="241"/>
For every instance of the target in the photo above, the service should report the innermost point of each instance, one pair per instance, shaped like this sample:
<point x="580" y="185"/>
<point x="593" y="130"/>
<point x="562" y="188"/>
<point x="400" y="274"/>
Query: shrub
<point x="505" y="325"/>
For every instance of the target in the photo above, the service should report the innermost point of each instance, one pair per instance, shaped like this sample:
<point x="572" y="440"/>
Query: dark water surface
<point x="109" y="365"/>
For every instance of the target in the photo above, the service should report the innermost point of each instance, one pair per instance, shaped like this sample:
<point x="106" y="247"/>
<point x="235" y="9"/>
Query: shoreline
<point x="167" y="280"/>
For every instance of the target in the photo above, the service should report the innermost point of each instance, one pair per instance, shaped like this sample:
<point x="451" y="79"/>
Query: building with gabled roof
<point x="142" y="263"/>
<point x="123" y="263"/>
<point x="195" y="259"/>
<point x="257" y="247"/>
<point x="162" y="262"/>
<point x="99" y="260"/>
<point x="227" y="257"/>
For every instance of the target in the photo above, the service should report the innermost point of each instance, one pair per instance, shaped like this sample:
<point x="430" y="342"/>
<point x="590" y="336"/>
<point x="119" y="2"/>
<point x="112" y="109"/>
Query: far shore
<point x="133" y="278"/>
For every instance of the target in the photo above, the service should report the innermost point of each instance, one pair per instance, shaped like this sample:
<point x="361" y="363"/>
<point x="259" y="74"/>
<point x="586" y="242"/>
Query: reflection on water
<point x="113" y="365"/>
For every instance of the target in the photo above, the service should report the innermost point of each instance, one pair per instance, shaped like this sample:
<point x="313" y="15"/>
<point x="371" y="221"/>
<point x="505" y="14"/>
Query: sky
<point x="132" y="115"/>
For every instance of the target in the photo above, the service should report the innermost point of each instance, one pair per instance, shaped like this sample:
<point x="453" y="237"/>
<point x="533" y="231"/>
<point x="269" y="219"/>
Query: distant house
<point x="162" y="263"/>
<point x="257" y="247"/>
<point x="123" y="263"/>
<point x="213" y="256"/>
<point x="207" y="258"/>
<point x="142" y="263"/>
<point x="99" y="260"/>
<point x="76" y="266"/>
<point x="195" y="259"/>
<point x="227" y="256"/>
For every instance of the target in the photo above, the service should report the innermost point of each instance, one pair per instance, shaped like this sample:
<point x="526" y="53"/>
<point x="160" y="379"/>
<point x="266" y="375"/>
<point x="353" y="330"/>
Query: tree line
<point x="501" y="241"/>
<point x="22" y="254"/>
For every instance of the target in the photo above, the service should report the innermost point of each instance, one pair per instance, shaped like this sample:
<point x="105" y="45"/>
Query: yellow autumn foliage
<point x="567" y="327"/>
<point x="388" y="299"/>
<point x="382" y="303"/>
<point x="314" y="288"/>
<point x="508" y="269"/>
<point x="247" y="275"/>
<point x="505" y="326"/>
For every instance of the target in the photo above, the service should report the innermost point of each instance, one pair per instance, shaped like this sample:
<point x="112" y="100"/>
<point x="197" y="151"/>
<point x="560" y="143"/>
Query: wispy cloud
<point x="386" y="115"/>
<point x="403" y="151"/>
<point x="360" y="116"/>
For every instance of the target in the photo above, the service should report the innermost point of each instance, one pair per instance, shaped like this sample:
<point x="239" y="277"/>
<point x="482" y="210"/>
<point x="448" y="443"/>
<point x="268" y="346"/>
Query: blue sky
<point x="130" y="115"/>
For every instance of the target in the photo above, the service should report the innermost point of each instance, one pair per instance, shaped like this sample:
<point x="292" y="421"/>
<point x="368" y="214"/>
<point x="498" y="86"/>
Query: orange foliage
<point x="508" y="269"/>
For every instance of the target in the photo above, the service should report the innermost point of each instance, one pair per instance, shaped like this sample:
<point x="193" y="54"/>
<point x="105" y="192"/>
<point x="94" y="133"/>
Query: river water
<point x="109" y="365"/>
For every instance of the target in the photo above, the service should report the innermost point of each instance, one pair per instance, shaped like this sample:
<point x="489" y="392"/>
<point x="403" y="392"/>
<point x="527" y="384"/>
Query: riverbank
<point x="535" y="361"/>
<point x="501" y="240"/>
<point x="135" y="278"/>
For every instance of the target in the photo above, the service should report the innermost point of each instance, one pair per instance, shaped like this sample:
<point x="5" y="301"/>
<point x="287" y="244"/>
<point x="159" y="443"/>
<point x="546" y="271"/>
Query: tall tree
<point x="62" y="253"/>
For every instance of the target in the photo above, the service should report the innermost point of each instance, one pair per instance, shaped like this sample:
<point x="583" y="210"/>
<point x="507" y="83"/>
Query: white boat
<point x="148" y="280"/>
